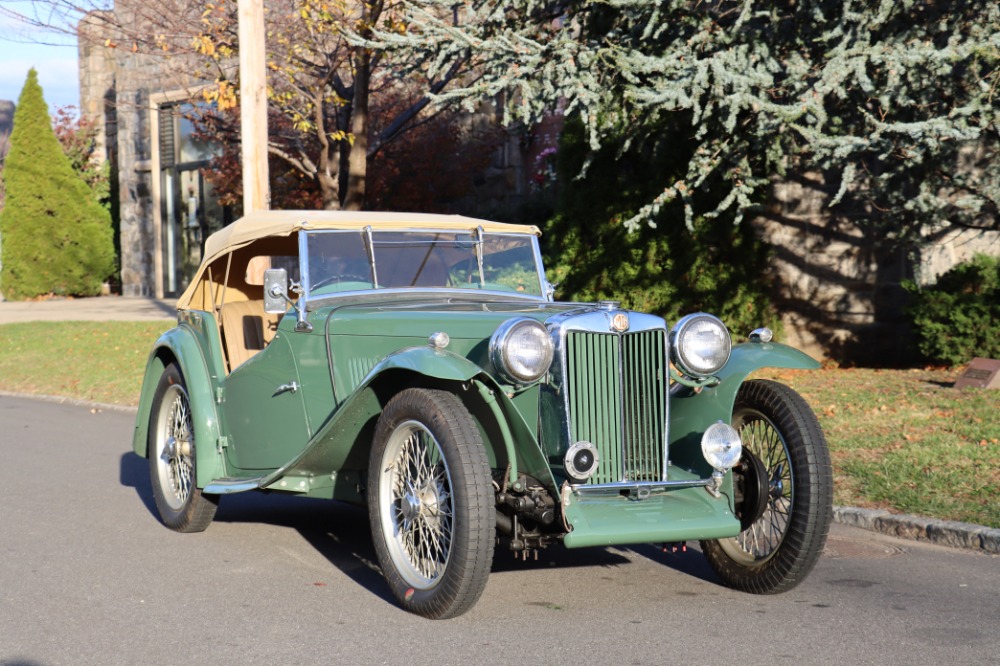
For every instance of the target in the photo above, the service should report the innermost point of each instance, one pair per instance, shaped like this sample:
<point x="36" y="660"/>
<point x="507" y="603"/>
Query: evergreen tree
<point x="56" y="237"/>
<point x="897" y="100"/>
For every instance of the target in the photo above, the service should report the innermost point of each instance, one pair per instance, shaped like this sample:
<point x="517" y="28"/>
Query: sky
<point x="55" y="62"/>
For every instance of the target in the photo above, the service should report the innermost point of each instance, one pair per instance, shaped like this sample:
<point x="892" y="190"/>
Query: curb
<point x="917" y="528"/>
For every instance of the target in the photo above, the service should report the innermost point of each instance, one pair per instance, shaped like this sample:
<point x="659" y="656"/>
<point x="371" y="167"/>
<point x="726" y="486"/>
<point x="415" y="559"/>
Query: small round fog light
<point x="721" y="446"/>
<point x="581" y="461"/>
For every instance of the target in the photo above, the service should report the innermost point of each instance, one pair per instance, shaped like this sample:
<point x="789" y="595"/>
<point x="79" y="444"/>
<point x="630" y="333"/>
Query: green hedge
<point x="959" y="317"/>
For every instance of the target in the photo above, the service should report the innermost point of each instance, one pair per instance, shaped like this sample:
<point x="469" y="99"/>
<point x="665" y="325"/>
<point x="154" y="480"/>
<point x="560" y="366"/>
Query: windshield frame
<point x="312" y="301"/>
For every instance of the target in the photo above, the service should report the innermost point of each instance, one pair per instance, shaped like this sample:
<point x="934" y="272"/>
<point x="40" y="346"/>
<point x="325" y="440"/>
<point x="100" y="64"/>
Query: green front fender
<point x="692" y="411"/>
<point x="183" y="345"/>
<point x="346" y="435"/>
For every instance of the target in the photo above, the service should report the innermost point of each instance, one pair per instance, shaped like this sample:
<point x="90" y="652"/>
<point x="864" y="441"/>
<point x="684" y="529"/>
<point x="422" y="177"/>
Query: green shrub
<point x="959" y="317"/>
<point x="56" y="238"/>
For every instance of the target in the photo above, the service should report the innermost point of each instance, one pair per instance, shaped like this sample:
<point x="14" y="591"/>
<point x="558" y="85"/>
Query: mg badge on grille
<point x="619" y="322"/>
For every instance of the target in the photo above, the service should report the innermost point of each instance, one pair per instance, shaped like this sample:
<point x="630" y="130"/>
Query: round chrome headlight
<point x="521" y="350"/>
<point x="721" y="446"/>
<point x="700" y="344"/>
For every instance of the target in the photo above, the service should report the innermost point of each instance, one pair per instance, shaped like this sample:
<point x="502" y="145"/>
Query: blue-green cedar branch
<point x="896" y="98"/>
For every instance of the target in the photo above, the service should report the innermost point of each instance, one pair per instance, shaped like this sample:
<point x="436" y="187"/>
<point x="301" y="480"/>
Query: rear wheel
<point x="783" y="489"/>
<point x="171" y="450"/>
<point x="430" y="503"/>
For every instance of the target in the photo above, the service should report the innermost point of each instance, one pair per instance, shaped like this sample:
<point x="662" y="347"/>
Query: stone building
<point x="166" y="206"/>
<point x="6" y="127"/>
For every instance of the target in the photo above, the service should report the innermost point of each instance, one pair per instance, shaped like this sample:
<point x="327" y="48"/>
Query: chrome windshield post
<point x="370" y="246"/>
<point x="479" y="254"/>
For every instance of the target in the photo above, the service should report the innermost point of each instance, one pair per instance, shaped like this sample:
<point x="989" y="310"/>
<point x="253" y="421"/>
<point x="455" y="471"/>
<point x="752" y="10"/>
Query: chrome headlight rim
<point x="683" y="359"/>
<point x="500" y="343"/>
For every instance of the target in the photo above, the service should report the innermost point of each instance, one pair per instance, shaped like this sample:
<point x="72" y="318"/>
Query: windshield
<point x="339" y="261"/>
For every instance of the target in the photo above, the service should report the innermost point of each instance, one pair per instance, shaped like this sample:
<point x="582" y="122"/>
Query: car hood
<point x="419" y="319"/>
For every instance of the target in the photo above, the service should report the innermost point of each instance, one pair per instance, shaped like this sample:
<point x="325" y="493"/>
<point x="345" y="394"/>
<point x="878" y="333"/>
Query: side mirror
<point x="276" y="299"/>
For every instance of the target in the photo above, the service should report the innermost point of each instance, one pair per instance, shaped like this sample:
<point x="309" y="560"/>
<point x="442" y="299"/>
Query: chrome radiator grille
<point x="616" y="394"/>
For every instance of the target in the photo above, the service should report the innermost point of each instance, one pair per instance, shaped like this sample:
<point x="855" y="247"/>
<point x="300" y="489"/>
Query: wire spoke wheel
<point x="783" y="492"/>
<point x="174" y="465"/>
<point x="763" y="440"/>
<point x="172" y="460"/>
<point x="430" y="503"/>
<point x="418" y="488"/>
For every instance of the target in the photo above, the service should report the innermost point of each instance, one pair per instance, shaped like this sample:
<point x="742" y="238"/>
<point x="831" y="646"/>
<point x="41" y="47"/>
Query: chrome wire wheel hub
<point x="415" y="505"/>
<point x="174" y="436"/>
<point x="759" y="541"/>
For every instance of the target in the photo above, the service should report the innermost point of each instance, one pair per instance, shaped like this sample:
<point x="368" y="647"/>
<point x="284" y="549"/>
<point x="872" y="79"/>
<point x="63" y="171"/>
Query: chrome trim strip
<point x="229" y="486"/>
<point x="640" y="488"/>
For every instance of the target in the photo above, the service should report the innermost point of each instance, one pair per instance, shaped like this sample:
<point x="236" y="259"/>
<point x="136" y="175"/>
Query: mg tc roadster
<point x="418" y="365"/>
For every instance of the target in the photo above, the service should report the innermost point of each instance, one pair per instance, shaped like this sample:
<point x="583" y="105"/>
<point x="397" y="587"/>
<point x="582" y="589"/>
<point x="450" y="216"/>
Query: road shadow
<point x="691" y="562"/>
<point x="133" y="472"/>
<point x="341" y="534"/>
<point x="338" y="531"/>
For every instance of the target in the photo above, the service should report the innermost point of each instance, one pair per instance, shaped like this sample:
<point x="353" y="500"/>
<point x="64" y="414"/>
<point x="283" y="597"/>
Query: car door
<point x="264" y="408"/>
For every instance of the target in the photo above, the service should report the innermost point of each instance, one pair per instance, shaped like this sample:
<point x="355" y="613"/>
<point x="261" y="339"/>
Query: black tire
<point x="784" y="492"/>
<point x="172" y="461"/>
<point x="431" y="504"/>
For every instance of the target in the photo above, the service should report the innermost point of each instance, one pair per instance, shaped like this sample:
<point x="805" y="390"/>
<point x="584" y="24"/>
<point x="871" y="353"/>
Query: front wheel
<point x="783" y="492"/>
<point x="430" y="503"/>
<point x="171" y="450"/>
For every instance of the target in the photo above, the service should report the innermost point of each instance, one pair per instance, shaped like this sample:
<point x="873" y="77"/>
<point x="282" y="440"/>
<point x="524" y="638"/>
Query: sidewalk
<point x="102" y="308"/>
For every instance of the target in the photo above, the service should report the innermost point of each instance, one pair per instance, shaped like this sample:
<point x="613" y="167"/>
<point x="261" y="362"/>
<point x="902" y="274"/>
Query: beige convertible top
<point x="277" y="223"/>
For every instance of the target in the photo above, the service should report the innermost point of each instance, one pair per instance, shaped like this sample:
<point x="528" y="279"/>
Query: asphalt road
<point x="89" y="576"/>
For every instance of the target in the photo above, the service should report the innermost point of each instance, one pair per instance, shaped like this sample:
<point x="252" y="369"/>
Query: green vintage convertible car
<point x="417" y="364"/>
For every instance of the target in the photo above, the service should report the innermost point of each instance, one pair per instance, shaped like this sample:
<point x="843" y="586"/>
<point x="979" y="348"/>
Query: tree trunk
<point x="329" y="187"/>
<point x="357" y="167"/>
<point x="328" y="172"/>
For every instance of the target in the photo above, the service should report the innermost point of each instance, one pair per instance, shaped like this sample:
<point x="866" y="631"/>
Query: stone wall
<point x="6" y="126"/>
<point x="838" y="287"/>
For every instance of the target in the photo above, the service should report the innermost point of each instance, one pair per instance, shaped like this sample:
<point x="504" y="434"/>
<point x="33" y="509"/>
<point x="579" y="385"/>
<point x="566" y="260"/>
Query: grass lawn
<point x="903" y="440"/>
<point x="98" y="361"/>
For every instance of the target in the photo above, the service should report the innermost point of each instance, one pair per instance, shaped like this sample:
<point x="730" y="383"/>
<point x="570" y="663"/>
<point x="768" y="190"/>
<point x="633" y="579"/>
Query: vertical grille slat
<point x="618" y="401"/>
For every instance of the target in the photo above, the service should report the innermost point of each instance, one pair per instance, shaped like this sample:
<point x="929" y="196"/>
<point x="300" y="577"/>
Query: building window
<point x="189" y="208"/>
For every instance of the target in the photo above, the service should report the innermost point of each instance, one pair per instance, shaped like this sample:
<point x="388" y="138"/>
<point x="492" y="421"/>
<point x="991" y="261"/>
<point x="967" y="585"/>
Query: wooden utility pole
<point x="253" y="106"/>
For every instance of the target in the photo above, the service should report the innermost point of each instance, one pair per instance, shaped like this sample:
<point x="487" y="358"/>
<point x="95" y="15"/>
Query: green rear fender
<point x="692" y="412"/>
<point x="344" y="440"/>
<point x="184" y="345"/>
